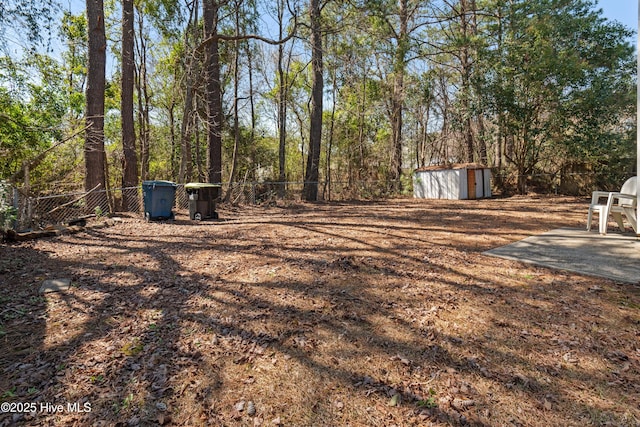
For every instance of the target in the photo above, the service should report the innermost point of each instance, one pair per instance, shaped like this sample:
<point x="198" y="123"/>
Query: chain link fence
<point x="269" y="192"/>
<point x="22" y="212"/>
<point x="8" y="206"/>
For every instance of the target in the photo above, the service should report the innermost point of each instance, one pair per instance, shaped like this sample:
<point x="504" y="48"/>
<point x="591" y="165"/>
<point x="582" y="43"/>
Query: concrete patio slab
<point x="613" y="256"/>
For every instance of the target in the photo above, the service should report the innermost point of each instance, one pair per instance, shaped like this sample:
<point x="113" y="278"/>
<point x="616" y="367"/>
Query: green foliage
<point x="132" y="348"/>
<point x="9" y="393"/>
<point x="33" y="115"/>
<point x="257" y="158"/>
<point x="31" y="20"/>
<point x="429" y="402"/>
<point x="561" y="81"/>
<point x="73" y="32"/>
<point x="546" y="83"/>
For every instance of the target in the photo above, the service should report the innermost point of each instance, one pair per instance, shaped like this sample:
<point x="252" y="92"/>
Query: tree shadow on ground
<point x="176" y="324"/>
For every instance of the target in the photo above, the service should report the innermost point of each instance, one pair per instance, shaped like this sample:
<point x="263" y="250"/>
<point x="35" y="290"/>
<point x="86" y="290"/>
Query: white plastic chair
<point x="617" y="204"/>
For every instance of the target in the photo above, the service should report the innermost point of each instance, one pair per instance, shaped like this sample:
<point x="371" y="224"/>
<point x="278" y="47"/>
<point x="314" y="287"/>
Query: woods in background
<point x="542" y="91"/>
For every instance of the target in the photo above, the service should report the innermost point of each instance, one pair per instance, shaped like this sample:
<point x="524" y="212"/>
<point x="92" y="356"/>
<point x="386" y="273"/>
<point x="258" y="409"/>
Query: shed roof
<point x="451" y="166"/>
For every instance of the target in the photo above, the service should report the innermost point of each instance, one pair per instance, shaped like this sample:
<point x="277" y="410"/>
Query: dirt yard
<point x="339" y="314"/>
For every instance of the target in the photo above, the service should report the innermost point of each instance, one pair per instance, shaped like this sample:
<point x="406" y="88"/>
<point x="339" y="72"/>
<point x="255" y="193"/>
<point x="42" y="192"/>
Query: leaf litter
<point x="362" y="313"/>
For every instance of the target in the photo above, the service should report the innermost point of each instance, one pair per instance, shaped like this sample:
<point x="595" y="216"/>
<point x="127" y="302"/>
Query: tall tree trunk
<point x="186" y="157"/>
<point x="213" y="91"/>
<point x="481" y="139"/>
<point x="186" y="169"/>
<point x="171" y="112"/>
<point x="443" y="153"/>
<point x="236" y="123"/>
<point x="482" y="143"/>
<point x="361" y="124"/>
<point x="130" y="160"/>
<point x="334" y="101"/>
<point x="143" y="100"/>
<point x="94" y="143"/>
<point x="310" y="190"/>
<point x="282" y="106"/>
<point x="397" y="100"/>
<point x="200" y="162"/>
<point x="252" y="139"/>
<point x="500" y="145"/>
<point x="282" y="125"/>
<point x="465" y="60"/>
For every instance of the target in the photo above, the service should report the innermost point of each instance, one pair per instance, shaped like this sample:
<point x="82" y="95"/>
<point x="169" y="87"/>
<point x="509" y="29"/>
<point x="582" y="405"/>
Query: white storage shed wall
<point x="453" y="184"/>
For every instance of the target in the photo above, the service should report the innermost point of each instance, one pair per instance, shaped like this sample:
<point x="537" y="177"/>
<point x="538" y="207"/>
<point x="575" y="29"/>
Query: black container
<point x="202" y="200"/>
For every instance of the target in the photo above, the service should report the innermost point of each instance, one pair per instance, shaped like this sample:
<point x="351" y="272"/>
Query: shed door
<point x="471" y="183"/>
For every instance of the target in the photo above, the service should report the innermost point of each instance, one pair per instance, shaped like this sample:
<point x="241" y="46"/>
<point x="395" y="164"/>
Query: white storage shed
<point x="457" y="182"/>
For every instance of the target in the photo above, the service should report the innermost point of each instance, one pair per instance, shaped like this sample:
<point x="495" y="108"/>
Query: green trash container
<point x="202" y="200"/>
<point x="159" y="198"/>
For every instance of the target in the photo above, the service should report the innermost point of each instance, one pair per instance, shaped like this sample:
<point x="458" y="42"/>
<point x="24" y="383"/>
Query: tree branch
<point x="37" y="159"/>
<point x="267" y="40"/>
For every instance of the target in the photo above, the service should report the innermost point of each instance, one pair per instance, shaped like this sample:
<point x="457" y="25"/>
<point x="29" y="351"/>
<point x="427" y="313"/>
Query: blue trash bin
<point x="159" y="198"/>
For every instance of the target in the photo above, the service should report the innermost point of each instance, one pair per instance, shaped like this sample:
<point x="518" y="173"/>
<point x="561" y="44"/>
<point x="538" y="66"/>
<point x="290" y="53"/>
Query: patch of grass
<point x="37" y="300"/>
<point x="13" y="313"/>
<point x="429" y="402"/>
<point x="124" y="405"/>
<point x="96" y="378"/>
<point x="9" y="393"/>
<point x="127" y="401"/>
<point x="630" y="304"/>
<point x="132" y="348"/>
